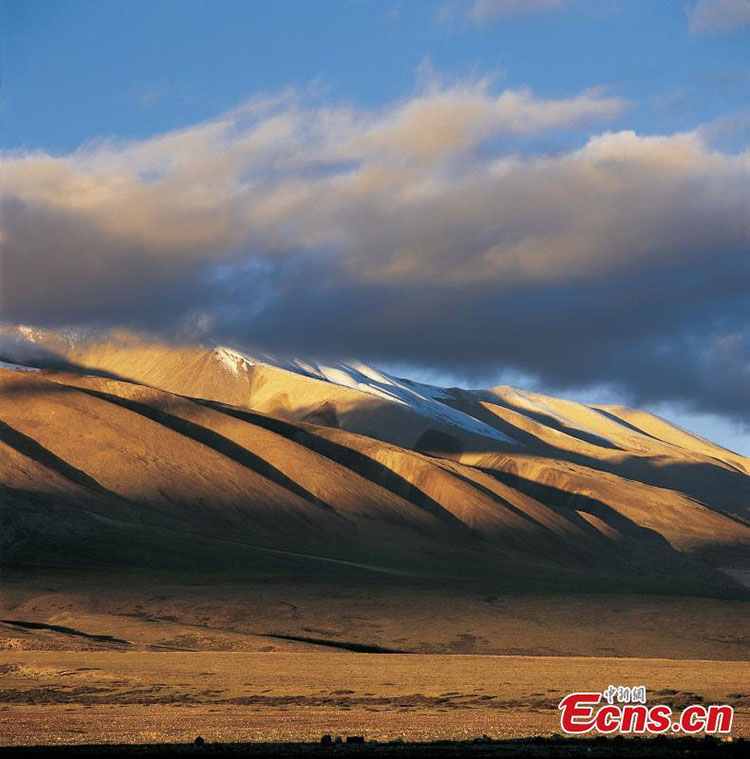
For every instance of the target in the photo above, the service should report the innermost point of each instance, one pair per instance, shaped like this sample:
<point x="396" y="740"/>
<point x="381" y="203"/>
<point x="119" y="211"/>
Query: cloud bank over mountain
<point x="450" y="229"/>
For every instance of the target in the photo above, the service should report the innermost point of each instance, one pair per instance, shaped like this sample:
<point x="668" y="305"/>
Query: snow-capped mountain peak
<point x="425" y="400"/>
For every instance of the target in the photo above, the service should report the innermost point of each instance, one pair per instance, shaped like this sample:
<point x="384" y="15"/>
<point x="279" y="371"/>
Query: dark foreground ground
<point x="529" y="747"/>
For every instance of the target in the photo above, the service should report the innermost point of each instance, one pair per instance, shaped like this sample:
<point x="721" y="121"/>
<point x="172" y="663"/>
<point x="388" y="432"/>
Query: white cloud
<point x="713" y="16"/>
<point x="406" y="192"/>
<point x="269" y="175"/>
<point x="491" y="10"/>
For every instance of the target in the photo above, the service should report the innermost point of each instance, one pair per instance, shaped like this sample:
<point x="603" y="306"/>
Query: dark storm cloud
<point x="670" y="334"/>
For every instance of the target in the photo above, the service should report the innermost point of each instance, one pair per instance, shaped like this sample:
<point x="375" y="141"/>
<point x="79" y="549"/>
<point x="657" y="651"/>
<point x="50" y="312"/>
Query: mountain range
<point x="122" y="451"/>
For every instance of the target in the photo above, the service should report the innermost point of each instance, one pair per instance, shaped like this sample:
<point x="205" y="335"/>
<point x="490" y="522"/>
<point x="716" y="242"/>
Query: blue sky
<point x="552" y="190"/>
<point x="78" y="69"/>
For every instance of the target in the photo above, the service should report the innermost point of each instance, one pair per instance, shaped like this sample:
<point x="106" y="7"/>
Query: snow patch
<point x="232" y="360"/>
<point x="425" y="400"/>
